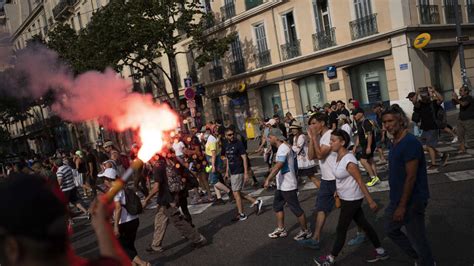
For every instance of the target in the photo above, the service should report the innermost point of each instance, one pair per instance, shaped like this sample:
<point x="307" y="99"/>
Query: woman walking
<point x="351" y="191"/>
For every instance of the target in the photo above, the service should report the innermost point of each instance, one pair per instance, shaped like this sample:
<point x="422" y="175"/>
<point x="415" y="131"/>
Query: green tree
<point x="137" y="34"/>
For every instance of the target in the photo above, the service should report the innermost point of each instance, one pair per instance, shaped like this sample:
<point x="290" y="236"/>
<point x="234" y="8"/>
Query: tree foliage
<point x="137" y="34"/>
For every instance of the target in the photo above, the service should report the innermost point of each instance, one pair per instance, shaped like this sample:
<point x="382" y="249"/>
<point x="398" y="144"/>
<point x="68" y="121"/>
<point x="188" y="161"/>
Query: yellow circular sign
<point x="422" y="40"/>
<point x="242" y="87"/>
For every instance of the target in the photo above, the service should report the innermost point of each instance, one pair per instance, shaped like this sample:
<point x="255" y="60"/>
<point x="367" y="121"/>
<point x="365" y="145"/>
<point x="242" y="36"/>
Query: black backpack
<point x="133" y="204"/>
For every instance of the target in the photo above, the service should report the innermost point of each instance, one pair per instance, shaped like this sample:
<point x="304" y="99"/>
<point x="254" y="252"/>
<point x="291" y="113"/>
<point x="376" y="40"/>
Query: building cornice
<point x="28" y="20"/>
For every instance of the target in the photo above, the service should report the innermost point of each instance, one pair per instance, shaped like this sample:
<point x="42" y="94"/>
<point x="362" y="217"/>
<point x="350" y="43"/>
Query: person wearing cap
<point x="65" y="179"/>
<point x="38" y="234"/>
<point x="366" y="140"/>
<point x="125" y="224"/>
<point x="306" y="167"/>
<point x="429" y="105"/>
<point x="465" y="126"/>
<point x="265" y="146"/>
<point x="341" y="108"/>
<point x="287" y="187"/>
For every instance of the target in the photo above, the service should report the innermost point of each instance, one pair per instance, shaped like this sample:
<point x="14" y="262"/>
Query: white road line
<point x="382" y="186"/>
<point x="446" y="149"/>
<point x="257" y="192"/>
<point x="308" y="186"/>
<point x="461" y="175"/>
<point x="199" y="208"/>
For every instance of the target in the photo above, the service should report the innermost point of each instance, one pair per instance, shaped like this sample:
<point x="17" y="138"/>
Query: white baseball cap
<point x="271" y="122"/>
<point x="109" y="173"/>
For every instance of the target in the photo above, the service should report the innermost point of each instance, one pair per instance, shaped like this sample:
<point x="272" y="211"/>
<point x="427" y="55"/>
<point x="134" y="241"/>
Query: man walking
<point x="320" y="148"/>
<point x="287" y="187"/>
<point x="366" y="140"/>
<point x="408" y="189"/>
<point x="237" y="170"/>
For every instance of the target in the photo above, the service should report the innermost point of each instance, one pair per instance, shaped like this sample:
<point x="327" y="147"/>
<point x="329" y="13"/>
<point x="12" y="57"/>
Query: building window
<point x="291" y="48"/>
<point x="365" y="23"/>
<point x="449" y="12"/>
<point x="325" y="34"/>
<point x="215" y="72"/>
<point x="470" y="11"/>
<point x="237" y="65"/>
<point x="263" y="54"/>
<point x="249" y="4"/>
<point x="429" y="14"/>
<point x="73" y="26"/>
<point x="79" y="18"/>
<point x="369" y="83"/>
<point x="312" y="91"/>
<point x="228" y="10"/>
<point x="271" y="101"/>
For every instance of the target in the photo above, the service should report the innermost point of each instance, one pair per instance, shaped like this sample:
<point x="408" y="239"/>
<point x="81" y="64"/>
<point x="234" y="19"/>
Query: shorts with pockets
<point x="237" y="182"/>
<point x="287" y="197"/>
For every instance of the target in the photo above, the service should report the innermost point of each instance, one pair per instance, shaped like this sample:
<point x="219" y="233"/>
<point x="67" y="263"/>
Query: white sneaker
<point x="455" y="140"/>
<point x="302" y="234"/>
<point x="279" y="232"/>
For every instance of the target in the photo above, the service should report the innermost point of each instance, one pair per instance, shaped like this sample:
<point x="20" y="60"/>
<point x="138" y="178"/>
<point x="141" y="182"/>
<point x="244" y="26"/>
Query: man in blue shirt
<point x="237" y="170"/>
<point x="409" y="191"/>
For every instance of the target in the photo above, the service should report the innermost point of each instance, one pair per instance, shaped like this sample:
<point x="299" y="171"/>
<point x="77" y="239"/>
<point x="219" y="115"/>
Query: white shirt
<point x="327" y="165"/>
<point x="124" y="216"/>
<point x="286" y="177"/>
<point x="346" y="127"/>
<point x="346" y="185"/>
<point x="178" y="148"/>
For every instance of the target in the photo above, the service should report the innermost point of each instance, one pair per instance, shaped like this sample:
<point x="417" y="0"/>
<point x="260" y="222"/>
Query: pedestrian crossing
<point x="451" y="176"/>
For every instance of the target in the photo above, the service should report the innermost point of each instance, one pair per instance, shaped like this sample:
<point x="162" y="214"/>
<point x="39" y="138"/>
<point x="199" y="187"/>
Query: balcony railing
<point x="470" y="13"/>
<point x="429" y="14"/>
<point x="228" y="11"/>
<point x="237" y="66"/>
<point x="363" y="27"/>
<point x="324" y="39"/>
<point x="263" y="58"/>
<point x="215" y="73"/>
<point x="449" y="12"/>
<point x="291" y="50"/>
<point x="64" y="8"/>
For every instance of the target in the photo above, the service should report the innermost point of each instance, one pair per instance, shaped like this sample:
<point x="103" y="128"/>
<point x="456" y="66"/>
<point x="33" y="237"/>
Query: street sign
<point x="462" y="38"/>
<point x="242" y="87"/>
<point x="331" y="72"/>
<point x="422" y="40"/>
<point x="188" y="82"/>
<point x="189" y="93"/>
<point x="191" y="103"/>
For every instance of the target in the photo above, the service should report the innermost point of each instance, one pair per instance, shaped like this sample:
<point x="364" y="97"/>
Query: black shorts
<point x="71" y="196"/>
<point x="325" y="200"/>
<point x="365" y="155"/>
<point x="290" y="198"/>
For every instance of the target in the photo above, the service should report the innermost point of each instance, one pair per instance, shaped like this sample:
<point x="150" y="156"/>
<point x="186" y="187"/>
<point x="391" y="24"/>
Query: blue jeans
<point x="414" y="243"/>
<point x="214" y="175"/>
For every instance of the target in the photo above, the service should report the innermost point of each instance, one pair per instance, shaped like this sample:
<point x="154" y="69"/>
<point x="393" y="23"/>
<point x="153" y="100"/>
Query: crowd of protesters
<point x="211" y="164"/>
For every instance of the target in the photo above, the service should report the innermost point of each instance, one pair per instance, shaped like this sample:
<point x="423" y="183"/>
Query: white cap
<point x="109" y="173"/>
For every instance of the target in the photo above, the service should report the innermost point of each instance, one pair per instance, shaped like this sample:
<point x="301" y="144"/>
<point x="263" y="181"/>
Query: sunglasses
<point x="229" y="135"/>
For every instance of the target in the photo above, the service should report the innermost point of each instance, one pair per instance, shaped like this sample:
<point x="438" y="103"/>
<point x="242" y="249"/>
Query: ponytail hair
<point x="341" y="134"/>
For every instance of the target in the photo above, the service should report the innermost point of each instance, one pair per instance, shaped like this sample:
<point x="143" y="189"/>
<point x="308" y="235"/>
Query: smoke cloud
<point x="91" y="95"/>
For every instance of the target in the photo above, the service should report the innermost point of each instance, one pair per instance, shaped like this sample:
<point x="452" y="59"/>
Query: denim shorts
<point x="430" y="138"/>
<point x="215" y="177"/>
<point x="325" y="200"/>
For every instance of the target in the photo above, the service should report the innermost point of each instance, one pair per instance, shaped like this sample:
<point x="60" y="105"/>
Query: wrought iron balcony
<point x="363" y="27"/>
<point x="429" y="14"/>
<point x="215" y="73"/>
<point x="64" y="9"/>
<point x="324" y="39"/>
<point x="249" y="4"/>
<point x="263" y="58"/>
<point x="470" y="13"/>
<point x="450" y="14"/>
<point x="228" y="11"/>
<point x="291" y="50"/>
<point x="237" y="66"/>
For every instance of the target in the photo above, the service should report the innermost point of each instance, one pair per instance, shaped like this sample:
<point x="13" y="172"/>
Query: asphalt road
<point x="449" y="220"/>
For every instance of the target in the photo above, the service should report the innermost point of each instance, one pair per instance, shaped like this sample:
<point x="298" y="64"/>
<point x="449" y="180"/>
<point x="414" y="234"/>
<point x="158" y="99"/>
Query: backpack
<point x="375" y="128"/>
<point x="133" y="204"/>
<point x="175" y="183"/>
<point x="439" y="116"/>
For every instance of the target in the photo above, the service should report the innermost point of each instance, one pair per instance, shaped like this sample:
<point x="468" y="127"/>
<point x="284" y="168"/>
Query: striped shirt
<point x="65" y="177"/>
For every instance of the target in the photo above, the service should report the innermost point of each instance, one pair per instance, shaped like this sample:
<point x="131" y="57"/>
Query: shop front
<point x="271" y="101"/>
<point x="369" y="83"/>
<point x="312" y="92"/>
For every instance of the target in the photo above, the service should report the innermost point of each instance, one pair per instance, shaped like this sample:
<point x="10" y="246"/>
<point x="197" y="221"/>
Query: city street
<point x="449" y="225"/>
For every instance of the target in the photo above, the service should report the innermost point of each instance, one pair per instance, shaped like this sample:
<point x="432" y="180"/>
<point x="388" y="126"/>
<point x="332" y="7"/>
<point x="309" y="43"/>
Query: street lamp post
<point x="460" y="39"/>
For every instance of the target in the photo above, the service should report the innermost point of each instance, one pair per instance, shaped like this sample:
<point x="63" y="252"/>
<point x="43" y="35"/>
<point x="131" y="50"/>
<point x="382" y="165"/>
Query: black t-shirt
<point x="102" y="157"/>
<point x="332" y="119"/>
<point x="427" y="113"/>
<point x="365" y="127"/>
<point x="467" y="112"/>
<point x="282" y="127"/>
<point x="233" y="152"/>
<point x="164" y="197"/>
<point x="90" y="158"/>
<point x="345" y="112"/>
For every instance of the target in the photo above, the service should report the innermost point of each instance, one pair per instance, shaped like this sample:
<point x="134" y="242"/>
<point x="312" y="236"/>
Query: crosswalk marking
<point x="461" y="175"/>
<point x="198" y="208"/>
<point x="382" y="186"/>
